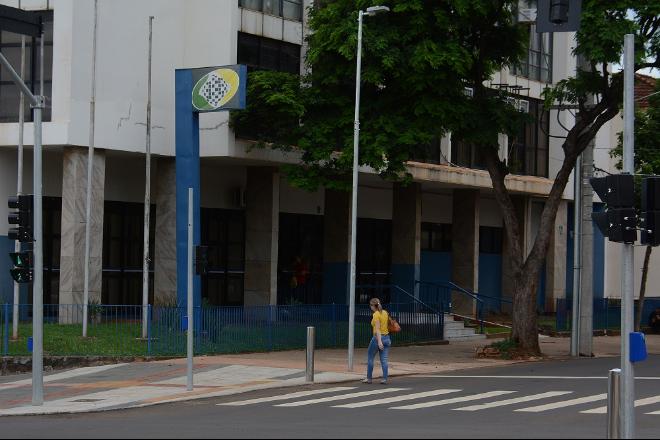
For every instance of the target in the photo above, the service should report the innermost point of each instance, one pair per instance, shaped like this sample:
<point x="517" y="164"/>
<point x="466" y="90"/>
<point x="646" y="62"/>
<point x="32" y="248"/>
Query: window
<point x="289" y="9"/>
<point x="436" y="237"/>
<point x="260" y="53"/>
<point x="10" y="46"/>
<point x="429" y="153"/>
<point x="467" y="155"/>
<point x="538" y="63"/>
<point x="300" y="272"/>
<point x="374" y="258"/>
<point x="529" y="149"/>
<point x="123" y="242"/>
<point x="223" y="231"/>
<point x="490" y="240"/>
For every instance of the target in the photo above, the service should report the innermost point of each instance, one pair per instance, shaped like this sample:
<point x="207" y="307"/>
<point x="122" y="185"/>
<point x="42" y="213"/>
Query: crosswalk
<point x="404" y="399"/>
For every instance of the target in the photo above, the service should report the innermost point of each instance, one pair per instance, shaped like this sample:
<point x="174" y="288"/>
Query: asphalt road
<point x="541" y="400"/>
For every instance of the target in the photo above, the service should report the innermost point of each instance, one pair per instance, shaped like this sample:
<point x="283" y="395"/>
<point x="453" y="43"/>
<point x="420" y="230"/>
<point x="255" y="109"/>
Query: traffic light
<point x="558" y="15"/>
<point x="619" y="221"/>
<point x="651" y="211"/>
<point x="22" y="271"/>
<point x="202" y="260"/>
<point x="22" y="218"/>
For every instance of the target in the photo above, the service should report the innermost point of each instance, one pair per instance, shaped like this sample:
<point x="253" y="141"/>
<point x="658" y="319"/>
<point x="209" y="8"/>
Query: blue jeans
<point x="384" y="356"/>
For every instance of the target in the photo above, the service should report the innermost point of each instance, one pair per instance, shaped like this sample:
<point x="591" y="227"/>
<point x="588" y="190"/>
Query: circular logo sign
<point x="215" y="89"/>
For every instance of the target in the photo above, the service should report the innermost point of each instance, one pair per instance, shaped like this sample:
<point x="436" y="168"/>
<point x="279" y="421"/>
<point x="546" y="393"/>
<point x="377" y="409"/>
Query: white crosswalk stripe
<point x="454" y="400"/>
<point x="287" y="396"/>
<point x="638" y="403"/>
<point x="388" y="400"/>
<point x="341" y="397"/>
<point x="517" y="400"/>
<point x="564" y="404"/>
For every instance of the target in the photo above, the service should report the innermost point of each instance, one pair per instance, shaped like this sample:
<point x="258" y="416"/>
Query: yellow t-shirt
<point x="382" y="320"/>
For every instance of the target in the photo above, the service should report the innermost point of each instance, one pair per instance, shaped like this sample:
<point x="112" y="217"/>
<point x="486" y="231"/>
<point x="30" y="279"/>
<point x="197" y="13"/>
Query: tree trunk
<point x="525" y="325"/>
<point x="642" y="289"/>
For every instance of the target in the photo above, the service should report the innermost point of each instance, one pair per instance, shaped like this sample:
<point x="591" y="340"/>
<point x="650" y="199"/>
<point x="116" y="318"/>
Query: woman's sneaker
<point x="383" y="382"/>
<point x="367" y="381"/>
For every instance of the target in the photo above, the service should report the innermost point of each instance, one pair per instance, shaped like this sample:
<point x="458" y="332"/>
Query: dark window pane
<point x="292" y="9"/>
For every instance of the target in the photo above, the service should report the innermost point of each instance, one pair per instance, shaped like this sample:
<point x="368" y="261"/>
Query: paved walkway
<point x="111" y="387"/>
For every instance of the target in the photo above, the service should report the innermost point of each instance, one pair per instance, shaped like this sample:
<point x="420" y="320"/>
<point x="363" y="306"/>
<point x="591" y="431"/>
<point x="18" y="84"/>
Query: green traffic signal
<point x="21" y="276"/>
<point x="21" y="259"/>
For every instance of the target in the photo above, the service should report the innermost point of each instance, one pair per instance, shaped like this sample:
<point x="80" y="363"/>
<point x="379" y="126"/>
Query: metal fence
<point x="117" y="330"/>
<point x="607" y="313"/>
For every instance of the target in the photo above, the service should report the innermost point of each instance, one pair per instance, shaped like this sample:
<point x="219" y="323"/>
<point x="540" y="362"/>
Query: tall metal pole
<point x="37" y="103"/>
<point x="147" y="200"/>
<point x="90" y="171"/>
<point x="19" y="182"/>
<point x="190" y="291"/>
<point x="577" y="259"/>
<point x="628" y="257"/>
<point x="356" y="164"/>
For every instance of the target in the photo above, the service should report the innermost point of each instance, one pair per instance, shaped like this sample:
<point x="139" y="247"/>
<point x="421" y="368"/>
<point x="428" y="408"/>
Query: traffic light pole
<point x="38" y="103"/>
<point x="628" y="257"/>
<point x="19" y="183"/>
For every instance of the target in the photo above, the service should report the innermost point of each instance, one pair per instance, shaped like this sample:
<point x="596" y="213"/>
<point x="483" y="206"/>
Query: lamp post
<point x="356" y="153"/>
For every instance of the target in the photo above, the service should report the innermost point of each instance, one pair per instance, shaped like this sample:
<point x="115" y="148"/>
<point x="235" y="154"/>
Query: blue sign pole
<point x="187" y="176"/>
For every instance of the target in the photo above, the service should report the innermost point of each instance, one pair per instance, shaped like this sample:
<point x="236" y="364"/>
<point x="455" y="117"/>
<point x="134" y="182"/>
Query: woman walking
<point x="380" y="343"/>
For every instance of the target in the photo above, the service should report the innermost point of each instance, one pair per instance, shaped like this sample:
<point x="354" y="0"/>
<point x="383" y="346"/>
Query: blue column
<point x="187" y="176"/>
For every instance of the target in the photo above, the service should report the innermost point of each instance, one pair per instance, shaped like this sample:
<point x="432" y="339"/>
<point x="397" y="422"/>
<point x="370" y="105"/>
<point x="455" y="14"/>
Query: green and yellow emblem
<point x="215" y="89"/>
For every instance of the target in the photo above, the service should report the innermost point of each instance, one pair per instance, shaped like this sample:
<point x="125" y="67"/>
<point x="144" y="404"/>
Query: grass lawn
<point x="122" y="339"/>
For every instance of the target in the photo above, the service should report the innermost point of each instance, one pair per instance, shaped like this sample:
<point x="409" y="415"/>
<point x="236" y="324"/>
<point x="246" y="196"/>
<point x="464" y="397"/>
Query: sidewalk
<point x="135" y="385"/>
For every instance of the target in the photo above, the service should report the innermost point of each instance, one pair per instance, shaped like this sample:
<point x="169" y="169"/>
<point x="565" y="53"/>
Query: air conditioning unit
<point x="523" y="106"/>
<point x="527" y="15"/>
<point x="238" y="195"/>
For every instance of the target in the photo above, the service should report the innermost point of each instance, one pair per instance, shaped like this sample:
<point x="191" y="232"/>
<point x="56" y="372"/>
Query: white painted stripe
<point x="342" y="397"/>
<point x="638" y="403"/>
<point x="564" y="404"/>
<point x="71" y="374"/>
<point x="514" y="401"/>
<point x="287" y="396"/>
<point x="403" y="398"/>
<point x="436" y="376"/>
<point x="455" y="400"/>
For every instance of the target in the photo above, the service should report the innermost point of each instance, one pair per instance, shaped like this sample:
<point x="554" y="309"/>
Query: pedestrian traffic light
<point x="558" y="15"/>
<point x="202" y="260"/>
<point x="22" y="270"/>
<point x="22" y="218"/>
<point x="651" y="211"/>
<point x="619" y="221"/>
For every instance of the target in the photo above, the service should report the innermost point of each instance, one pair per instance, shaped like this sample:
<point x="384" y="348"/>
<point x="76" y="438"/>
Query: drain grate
<point x="87" y="400"/>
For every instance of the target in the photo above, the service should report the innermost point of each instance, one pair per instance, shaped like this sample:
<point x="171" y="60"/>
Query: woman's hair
<point x="375" y="302"/>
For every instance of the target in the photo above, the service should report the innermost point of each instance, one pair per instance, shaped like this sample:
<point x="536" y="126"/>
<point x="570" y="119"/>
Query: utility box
<point x="638" y="347"/>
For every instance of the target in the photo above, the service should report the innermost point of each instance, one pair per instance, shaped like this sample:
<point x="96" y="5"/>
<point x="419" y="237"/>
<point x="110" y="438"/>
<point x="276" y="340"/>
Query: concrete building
<point x="269" y="243"/>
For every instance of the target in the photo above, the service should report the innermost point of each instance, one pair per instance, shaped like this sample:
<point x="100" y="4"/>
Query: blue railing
<point x="117" y="330"/>
<point x="443" y="293"/>
<point x="606" y="313"/>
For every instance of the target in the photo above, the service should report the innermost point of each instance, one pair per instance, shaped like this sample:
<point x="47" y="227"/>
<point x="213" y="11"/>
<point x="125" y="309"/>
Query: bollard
<point x="614" y="404"/>
<point x="309" y="371"/>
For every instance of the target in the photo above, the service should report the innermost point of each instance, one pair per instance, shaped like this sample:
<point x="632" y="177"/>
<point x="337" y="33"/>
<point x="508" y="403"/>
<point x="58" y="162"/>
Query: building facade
<point x="270" y="243"/>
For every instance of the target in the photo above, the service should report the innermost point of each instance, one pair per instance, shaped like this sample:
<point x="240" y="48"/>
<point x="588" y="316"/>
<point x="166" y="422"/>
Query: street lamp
<point x="356" y="153"/>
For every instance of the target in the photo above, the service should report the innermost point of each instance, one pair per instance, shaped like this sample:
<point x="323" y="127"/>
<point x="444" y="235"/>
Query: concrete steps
<point x="457" y="331"/>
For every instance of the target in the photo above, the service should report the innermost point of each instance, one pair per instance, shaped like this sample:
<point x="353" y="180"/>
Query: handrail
<point x="399" y="288"/>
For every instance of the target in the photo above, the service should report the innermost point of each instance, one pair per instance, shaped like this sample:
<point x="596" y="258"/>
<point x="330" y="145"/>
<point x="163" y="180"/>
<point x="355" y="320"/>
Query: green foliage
<point x="647" y="142"/>
<point x="417" y="60"/>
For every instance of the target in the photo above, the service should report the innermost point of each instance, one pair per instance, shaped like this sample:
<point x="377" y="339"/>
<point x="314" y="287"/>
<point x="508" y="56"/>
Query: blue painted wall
<point x="435" y="267"/>
<point x="490" y="275"/>
<point x="6" y="284"/>
<point x="598" y="252"/>
<point x="404" y="276"/>
<point x="335" y="283"/>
